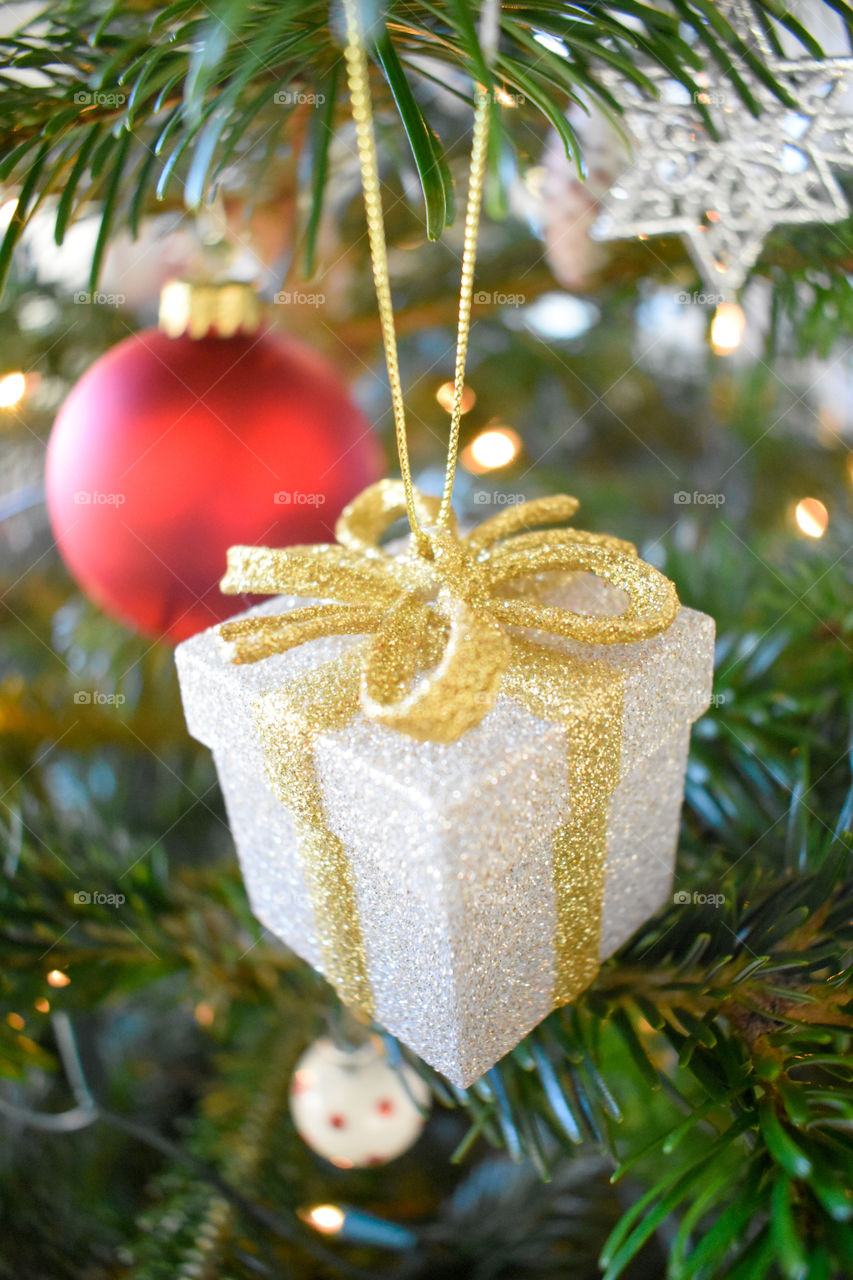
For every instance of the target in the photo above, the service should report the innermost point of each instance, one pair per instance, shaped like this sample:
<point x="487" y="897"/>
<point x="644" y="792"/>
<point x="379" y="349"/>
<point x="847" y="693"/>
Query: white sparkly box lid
<point x="450" y="844"/>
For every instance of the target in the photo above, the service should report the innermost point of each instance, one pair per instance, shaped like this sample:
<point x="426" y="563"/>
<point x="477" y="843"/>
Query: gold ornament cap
<point x="202" y="310"/>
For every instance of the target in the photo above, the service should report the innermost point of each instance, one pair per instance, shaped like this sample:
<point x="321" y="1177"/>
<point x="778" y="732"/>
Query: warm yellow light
<point x="727" y="328"/>
<point x="15" y="1021"/>
<point x="56" y="978"/>
<point x="12" y="388"/>
<point x="326" y="1218"/>
<point x="203" y="1013"/>
<point x="42" y="1005"/>
<point x="812" y="517"/>
<point x="493" y="448"/>
<point x="505" y="99"/>
<point x="444" y="396"/>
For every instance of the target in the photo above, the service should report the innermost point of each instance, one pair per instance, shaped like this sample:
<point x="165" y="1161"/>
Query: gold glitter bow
<point x="439" y="616"/>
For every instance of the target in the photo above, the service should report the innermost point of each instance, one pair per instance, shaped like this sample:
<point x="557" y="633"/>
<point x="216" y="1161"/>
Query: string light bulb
<point x="203" y="1013"/>
<point x="492" y="449"/>
<point x="12" y="388"/>
<point x="727" y="328"/>
<point x="56" y="978"/>
<point x="444" y="396"/>
<point x="812" y="517"/>
<point x="326" y="1218"/>
<point x="357" y="1226"/>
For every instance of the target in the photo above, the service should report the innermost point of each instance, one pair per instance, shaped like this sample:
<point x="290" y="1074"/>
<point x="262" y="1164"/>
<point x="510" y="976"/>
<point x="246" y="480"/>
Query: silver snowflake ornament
<point x="725" y="195"/>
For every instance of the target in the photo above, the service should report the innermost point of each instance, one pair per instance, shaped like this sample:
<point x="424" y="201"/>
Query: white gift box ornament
<point x="451" y="792"/>
<point x="460" y="789"/>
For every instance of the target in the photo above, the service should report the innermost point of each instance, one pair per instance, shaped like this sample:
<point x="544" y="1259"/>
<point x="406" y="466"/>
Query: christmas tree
<point x="660" y="325"/>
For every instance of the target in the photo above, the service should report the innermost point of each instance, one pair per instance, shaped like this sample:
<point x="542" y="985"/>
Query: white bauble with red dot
<point x="352" y="1107"/>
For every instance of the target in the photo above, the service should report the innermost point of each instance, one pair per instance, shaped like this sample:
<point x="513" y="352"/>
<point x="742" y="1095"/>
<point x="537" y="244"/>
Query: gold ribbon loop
<point x="522" y="543"/>
<point x="325" y="570"/>
<point x="522" y="515"/>
<point x="440" y="705"/>
<point x="361" y="525"/>
<point x="438" y="616"/>
<point x="652" y="598"/>
<point x="249" y="639"/>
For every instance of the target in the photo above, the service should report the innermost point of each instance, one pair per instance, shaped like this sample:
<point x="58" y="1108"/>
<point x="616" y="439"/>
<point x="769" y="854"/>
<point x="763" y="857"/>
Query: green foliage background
<point x="692" y="1114"/>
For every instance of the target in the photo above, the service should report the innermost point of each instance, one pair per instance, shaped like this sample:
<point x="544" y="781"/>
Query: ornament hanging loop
<point x="359" y="87"/>
<point x="479" y="156"/>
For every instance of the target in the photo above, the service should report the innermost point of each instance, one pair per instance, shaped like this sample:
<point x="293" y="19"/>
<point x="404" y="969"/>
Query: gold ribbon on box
<point x="447" y="629"/>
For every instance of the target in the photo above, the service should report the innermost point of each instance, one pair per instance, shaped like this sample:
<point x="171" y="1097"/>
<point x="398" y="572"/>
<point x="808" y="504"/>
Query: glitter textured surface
<point x="725" y="188"/>
<point x="450" y="847"/>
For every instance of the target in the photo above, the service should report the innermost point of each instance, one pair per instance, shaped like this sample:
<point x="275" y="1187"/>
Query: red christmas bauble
<point x="170" y="450"/>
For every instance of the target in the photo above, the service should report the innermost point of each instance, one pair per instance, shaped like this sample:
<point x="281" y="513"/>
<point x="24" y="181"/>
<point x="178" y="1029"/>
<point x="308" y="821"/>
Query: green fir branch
<point x="176" y="91"/>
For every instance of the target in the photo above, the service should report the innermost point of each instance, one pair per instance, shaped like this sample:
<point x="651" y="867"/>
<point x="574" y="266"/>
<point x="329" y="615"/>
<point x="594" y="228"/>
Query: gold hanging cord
<point x="359" y="87"/>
